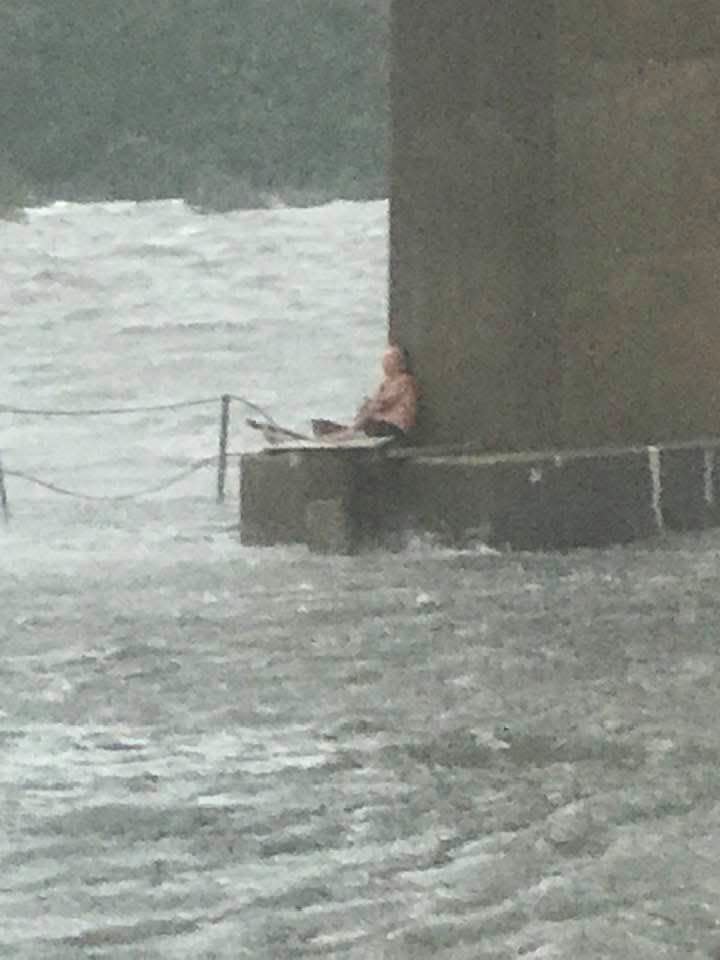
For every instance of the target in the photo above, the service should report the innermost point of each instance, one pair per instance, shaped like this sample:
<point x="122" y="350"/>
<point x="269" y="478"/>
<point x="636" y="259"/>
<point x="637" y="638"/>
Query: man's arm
<point x="368" y="409"/>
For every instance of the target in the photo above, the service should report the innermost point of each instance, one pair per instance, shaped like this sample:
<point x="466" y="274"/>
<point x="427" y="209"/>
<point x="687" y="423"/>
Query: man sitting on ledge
<point x="390" y="412"/>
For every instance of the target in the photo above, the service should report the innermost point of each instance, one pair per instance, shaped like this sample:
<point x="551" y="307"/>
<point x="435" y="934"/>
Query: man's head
<point x="394" y="361"/>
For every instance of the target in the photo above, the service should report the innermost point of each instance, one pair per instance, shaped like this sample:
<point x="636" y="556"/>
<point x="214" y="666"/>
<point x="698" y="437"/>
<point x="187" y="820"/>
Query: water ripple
<point x="209" y="751"/>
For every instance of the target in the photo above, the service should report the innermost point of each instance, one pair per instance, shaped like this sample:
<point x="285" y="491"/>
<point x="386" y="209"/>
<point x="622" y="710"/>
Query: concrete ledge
<point x="344" y="500"/>
<point x="688" y="483"/>
<point x="336" y="499"/>
<point x="576" y="500"/>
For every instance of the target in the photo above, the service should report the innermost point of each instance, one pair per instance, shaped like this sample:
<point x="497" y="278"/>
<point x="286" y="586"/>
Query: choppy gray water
<point x="214" y="752"/>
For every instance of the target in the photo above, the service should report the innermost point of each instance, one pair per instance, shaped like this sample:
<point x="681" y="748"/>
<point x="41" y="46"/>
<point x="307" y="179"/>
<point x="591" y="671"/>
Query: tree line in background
<point x="227" y="103"/>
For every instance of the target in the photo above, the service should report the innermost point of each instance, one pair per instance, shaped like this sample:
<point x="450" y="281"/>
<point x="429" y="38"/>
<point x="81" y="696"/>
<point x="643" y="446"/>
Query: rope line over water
<point x="221" y="459"/>
<point x="115" y="411"/>
<point x="78" y="495"/>
<point x="103" y="411"/>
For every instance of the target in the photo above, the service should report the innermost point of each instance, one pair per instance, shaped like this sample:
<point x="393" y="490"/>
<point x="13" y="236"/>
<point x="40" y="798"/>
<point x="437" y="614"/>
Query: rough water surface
<point x="208" y="751"/>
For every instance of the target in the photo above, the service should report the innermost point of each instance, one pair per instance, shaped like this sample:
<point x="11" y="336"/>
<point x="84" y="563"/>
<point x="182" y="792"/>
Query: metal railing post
<point x="222" y="450"/>
<point x="3" y="495"/>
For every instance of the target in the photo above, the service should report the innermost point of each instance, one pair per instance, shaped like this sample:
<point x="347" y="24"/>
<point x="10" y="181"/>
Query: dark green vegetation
<point x="224" y="102"/>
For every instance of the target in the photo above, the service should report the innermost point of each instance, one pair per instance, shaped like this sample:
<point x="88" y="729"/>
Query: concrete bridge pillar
<point x="555" y="218"/>
<point x="555" y="275"/>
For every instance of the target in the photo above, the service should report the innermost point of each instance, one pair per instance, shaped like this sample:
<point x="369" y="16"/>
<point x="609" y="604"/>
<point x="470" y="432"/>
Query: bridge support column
<point x="555" y="218"/>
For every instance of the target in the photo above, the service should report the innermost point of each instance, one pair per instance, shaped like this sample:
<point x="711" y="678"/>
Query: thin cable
<point x="258" y="409"/>
<point x="156" y="488"/>
<point x="101" y="411"/>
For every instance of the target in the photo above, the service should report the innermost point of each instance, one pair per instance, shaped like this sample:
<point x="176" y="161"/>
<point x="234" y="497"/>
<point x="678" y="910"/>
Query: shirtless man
<point x="392" y="409"/>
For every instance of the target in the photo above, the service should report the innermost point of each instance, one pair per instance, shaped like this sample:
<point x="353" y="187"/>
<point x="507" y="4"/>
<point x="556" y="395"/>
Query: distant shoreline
<point x="230" y="106"/>
<point x="59" y="206"/>
<point x="240" y="197"/>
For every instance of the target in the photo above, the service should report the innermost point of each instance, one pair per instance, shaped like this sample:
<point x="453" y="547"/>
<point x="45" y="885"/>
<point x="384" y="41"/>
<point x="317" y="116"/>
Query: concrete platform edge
<point x="344" y="501"/>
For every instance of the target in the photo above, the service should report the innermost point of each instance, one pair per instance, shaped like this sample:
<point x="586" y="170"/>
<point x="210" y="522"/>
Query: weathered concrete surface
<point x="536" y="501"/>
<point x="472" y="238"/>
<point x="638" y="154"/>
<point x="531" y="501"/>
<point x="335" y="499"/>
<point x="583" y="499"/>
<point x="689" y="486"/>
<point x="447" y="496"/>
<point x="555" y="218"/>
